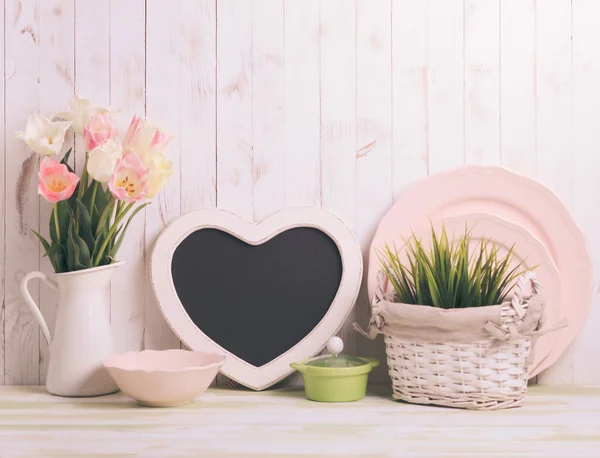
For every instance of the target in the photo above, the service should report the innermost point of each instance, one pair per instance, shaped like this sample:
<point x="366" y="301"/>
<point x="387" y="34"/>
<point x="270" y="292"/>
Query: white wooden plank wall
<point x="22" y="89"/>
<point x="276" y="103"/>
<point x="373" y="136"/>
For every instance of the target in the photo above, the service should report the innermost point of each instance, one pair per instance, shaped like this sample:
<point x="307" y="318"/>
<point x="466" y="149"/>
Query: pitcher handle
<point x="32" y="305"/>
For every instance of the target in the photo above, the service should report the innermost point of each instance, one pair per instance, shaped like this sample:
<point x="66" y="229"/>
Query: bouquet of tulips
<point x="90" y="214"/>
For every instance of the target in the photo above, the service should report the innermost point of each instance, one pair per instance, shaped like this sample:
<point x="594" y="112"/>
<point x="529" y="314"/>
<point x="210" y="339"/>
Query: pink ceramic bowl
<point x="165" y="378"/>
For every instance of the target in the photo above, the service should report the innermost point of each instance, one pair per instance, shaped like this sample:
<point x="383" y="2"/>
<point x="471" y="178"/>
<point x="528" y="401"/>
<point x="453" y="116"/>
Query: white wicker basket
<point x="486" y="374"/>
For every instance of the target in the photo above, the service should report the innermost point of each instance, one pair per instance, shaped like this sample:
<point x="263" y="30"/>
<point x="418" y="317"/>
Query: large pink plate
<point x="513" y="197"/>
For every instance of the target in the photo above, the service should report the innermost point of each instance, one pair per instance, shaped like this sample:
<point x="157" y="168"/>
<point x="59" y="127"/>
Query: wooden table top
<point x="555" y="422"/>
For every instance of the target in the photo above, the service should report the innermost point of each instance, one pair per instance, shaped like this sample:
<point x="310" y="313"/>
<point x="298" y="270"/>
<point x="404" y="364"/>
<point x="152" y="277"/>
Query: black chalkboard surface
<point x="257" y="301"/>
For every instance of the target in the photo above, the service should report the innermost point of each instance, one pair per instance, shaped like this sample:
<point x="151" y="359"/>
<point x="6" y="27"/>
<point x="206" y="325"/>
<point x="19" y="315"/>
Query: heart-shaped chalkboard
<point x="264" y="294"/>
<point x="257" y="301"/>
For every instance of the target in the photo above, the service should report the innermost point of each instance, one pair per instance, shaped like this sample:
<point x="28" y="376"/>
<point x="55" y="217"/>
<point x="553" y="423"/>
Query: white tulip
<point x="144" y="139"/>
<point x="103" y="160"/>
<point x="160" y="170"/>
<point x="79" y="112"/>
<point x="43" y="136"/>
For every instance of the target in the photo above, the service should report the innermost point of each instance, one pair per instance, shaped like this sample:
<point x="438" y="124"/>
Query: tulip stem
<point x="84" y="178"/>
<point x="56" y="225"/>
<point x="111" y="233"/>
<point x="93" y="201"/>
<point x="105" y="215"/>
<point x="119" y="207"/>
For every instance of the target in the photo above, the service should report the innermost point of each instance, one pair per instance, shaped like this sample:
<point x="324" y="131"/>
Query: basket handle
<point x="376" y="321"/>
<point x="519" y="298"/>
<point x="380" y="288"/>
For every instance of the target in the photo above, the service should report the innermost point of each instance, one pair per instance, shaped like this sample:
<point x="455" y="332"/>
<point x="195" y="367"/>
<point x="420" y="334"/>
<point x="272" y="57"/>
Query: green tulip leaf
<point x="65" y="159"/>
<point x="98" y="243"/>
<point x="80" y="254"/>
<point x="120" y="235"/>
<point x="104" y="220"/>
<point x="42" y="240"/>
<point x="85" y="226"/>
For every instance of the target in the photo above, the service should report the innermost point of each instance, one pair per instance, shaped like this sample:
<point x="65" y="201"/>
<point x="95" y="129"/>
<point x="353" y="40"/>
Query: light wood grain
<point x="197" y="93"/>
<point x="57" y="73"/>
<point x="518" y="85"/>
<point x="410" y="93"/>
<point x="482" y="81"/>
<point x="268" y="109"/>
<point x="586" y="189"/>
<point x="554" y="126"/>
<point x="92" y="60"/>
<point x="338" y="121"/>
<point x="374" y="166"/>
<point x="2" y="216"/>
<point x="302" y="108"/>
<point x="553" y="423"/>
<point x="127" y="96"/>
<point x="235" y="149"/>
<point x="21" y="331"/>
<point x="445" y="84"/>
<point x="235" y="179"/>
<point x="163" y="104"/>
<point x="302" y="65"/>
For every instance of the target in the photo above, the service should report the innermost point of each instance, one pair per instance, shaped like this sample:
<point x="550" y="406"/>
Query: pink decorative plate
<point x="518" y="199"/>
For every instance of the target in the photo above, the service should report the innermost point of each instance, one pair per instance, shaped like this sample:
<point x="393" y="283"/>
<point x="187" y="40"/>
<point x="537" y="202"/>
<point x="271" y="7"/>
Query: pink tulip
<point x="129" y="183"/>
<point x="100" y="129"/>
<point x="144" y="139"/>
<point x="56" y="182"/>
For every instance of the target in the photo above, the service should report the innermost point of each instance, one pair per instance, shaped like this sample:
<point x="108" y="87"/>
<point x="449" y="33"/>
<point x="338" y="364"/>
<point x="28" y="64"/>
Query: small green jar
<point x="335" y="377"/>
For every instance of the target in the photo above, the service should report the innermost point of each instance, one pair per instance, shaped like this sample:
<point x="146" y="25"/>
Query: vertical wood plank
<point x="410" y="93"/>
<point x="234" y="107"/>
<point x="302" y="127"/>
<point x="373" y="142"/>
<point x="302" y="103"/>
<point x="57" y="73"/>
<point x="518" y="85"/>
<point x="268" y="92"/>
<point x="197" y="94"/>
<point x="445" y="83"/>
<point x="586" y="186"/>
<point x="2" y="207"/>
<point x="338" y="121"/>
<point x="235" y="177"/>
<point x="92" y="59"/>
<point x="127" y="95"/>
<point x="163" y="107"/>
<point x="554" y="160"/>
<point x="22" y="212"/>
<point x="198" y="105"/>
<point x="482" y="81"/>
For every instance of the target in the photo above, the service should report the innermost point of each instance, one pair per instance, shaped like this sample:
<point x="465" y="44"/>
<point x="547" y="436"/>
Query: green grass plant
<point x="451" y="273"/>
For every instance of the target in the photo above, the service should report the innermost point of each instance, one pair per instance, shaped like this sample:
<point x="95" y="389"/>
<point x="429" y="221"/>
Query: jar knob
<point x="335" y="345"/>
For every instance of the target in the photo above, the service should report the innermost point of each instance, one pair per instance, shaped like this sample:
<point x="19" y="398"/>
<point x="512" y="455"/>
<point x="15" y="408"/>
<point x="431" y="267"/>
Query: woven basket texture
<point x="483" y="375"/>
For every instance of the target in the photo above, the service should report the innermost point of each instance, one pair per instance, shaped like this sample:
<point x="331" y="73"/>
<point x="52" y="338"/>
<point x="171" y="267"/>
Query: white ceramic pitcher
<point x="82" y="336"/>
